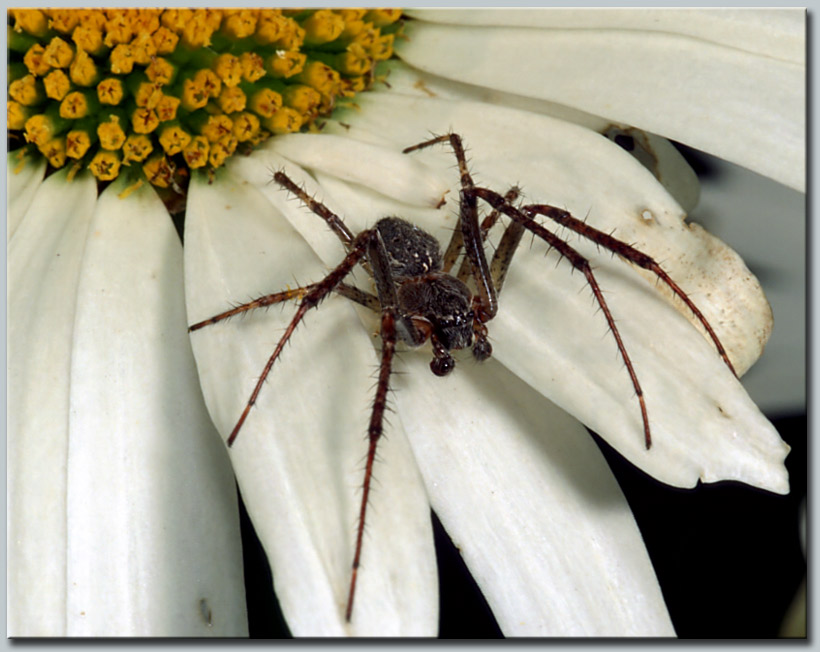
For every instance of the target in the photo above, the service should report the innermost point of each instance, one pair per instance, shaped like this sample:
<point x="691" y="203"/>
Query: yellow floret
<point x="196" y="152"/>
<point x="77" y="143"/>
<point x="136" y="148"/>
<point x="173" y="139"/>
<point x="105" y="166"/>
<point x="56" y="84"/>
<point x="83" y="70"/>
<point x="111" y="133"/>
<point x="110" y="91"/>
<point x="34" y="60"/>
<point x="58" y="53"/>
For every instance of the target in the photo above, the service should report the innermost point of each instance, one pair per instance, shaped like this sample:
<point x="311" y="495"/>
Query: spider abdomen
<point x="411" y="250"/>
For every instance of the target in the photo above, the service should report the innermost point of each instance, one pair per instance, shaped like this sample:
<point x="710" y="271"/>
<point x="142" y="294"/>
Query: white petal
<point x="773" y="32"/>
<point x="387" y="172"/>
<point x="153" y="545"/>
<point x="43" y="268"/>
<point x="655" y="153"/>
<point x="548" y="330"/>
<point x="737" y="104"/>
<point x="529" y="500"/>
<point x="23" y="179"/>
<point x="299" y="456"/>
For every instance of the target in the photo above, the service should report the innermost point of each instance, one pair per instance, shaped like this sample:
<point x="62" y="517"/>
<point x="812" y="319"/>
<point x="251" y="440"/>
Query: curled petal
<point x="549" y="331"/>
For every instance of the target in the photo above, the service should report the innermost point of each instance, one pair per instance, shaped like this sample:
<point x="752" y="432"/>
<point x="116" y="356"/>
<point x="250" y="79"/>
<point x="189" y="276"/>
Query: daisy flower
<point x="122" y="509"/>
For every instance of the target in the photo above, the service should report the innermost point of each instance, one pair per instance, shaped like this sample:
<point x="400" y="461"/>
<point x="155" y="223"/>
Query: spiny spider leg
<point x="389" y="306"/>
<point x="506" y="247"/>
<point x="486" y="302"/>
<point x="632" y="255"/>
<point x="580" y="263"/>
<point x="261" y="302"/>
<point x="333" y="221"/>
<point x="314" y="296"/>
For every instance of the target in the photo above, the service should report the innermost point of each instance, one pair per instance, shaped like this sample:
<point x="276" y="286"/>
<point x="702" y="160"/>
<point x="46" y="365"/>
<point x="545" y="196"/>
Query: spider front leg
<point x="311" y="296"/>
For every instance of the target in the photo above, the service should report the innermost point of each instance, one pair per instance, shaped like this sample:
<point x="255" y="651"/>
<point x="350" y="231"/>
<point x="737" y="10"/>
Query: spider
<point x="419" y="299"/>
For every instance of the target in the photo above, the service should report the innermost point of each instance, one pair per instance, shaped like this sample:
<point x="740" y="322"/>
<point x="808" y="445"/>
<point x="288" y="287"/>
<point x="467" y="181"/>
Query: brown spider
<point x="420" y="300"/>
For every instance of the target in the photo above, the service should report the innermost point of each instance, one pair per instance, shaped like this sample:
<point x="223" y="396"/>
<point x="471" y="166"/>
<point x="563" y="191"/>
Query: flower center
<point x="164" y="90"/>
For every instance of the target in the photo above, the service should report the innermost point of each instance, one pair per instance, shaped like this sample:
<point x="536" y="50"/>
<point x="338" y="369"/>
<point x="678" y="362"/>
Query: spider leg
<point x="311" y="299"/>
<point x="632" y="255"/>
<point x="267" y="300"/>
<point x="485" y="302"/>
<point x="335" y="222"/>
<point x="359" y="296"/>
<point x="374" y="433"/>
<point x="389" y="301"/>
<point x="582" y="264"/>
<point x="507" y="246"/>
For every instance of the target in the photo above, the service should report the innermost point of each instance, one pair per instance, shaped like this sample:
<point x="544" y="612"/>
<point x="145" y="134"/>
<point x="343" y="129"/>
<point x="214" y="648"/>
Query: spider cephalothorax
<point x="419" y="299"/>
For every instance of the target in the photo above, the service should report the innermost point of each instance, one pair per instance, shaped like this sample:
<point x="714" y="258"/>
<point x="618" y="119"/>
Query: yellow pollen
<point x="77" y="143"/>
<point x="196" y="152"/>
<point x="75" y="105"/>
<point x="173" y="139"/>
<point x="144" y="121"/>
<point x="35" y="61"/>
<point x="31" y="21"/>
<point x="253" y="66"/>
<point x="265" y="102"/>
<point x="239" y="23"/>
<point x="322" y="27"/>
<point x="143" y="48"/>
<point x="110" y="91"/>
<point x="58" y="53"/>
<point x="28" y="91"/>
<point x="16" y="115"/>
<point x="89" y="39"/>
<point x="118" y="29"/>
<point x="147" y="94"/>
<point x="231" y="99"/>
<point x="321" y="77"/>
<point x="284" y="121"/>
<point x="63" y="20"/>
<point x="122" y="59"/>
<point x="136" y="148"/>
<point x="216" y="128"/>
<point x="56" y="84"/>
<point x="54" y="151"/>
<point x="105" y="166"/>
<point x="111" y="133"/>
<point x="170" y="90"/>
<point x="221" y="150"/>
<point x="167" y="108"/>
<point x="228" y="68"/>
<point x="302" y="98"/>
<point x="158" y="171"/>
<point x="245" y="127"/>
<point x="285" y="63"/>
<point x="165" y="40"/>
<point x="160" y="71"/>
<point x="83" y="70"/>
